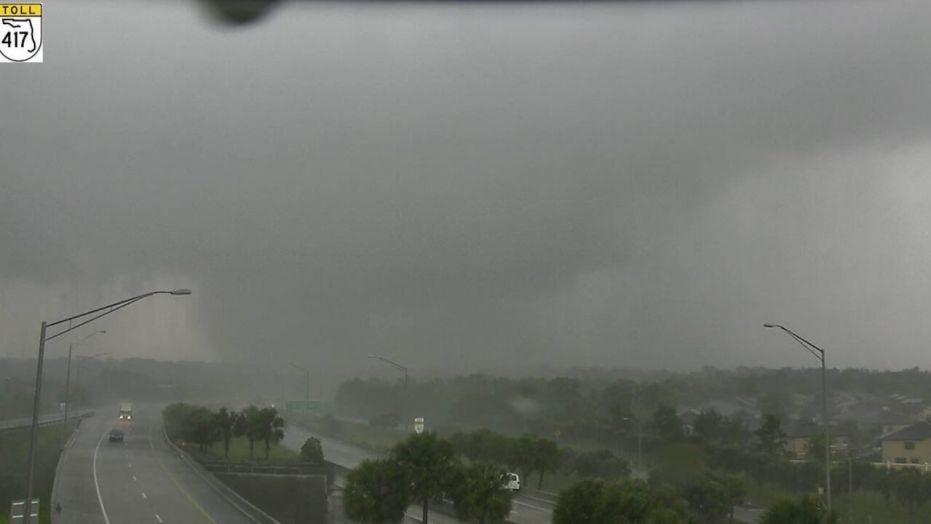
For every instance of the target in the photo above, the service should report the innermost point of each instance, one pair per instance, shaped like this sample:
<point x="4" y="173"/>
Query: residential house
<point x="799" y="435"/>
<point x="910" y="445"/>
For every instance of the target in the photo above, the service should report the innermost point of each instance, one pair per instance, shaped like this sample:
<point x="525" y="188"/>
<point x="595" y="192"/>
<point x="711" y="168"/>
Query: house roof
<point x="880" y="415"/>
<point x="917" y="431"/>
<point x="804" y="429"/>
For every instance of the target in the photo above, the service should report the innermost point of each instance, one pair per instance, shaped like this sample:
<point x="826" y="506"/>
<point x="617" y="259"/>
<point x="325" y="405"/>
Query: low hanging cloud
<point x="477" y="186"/>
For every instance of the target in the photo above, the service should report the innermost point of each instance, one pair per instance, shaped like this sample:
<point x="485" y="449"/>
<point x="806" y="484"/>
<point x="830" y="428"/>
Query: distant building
<point x="799" y="435"/>
<point x="687" y="417"/>
<point x="889" y="421"/>
<point x="910" y="445"/>
<point x="874" y="418"/>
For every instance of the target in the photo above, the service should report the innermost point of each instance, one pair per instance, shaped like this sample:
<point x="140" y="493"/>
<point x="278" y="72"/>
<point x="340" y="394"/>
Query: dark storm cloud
<point x="479" y="186"/>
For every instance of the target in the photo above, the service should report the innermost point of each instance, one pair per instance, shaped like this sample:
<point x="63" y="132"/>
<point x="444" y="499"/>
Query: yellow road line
<point x="177" y="484"/>
<point x="186" y="494"/>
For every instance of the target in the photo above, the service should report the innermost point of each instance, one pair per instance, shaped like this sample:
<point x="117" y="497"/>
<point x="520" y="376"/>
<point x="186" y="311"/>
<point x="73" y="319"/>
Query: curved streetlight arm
<point x="393" y="363"/>
<point x="85" y="339"/>
<point x="110" y="308"/>
<point x="390" y="362"/>
<point x="401" y="403"/>
<point x="816" y="351"/>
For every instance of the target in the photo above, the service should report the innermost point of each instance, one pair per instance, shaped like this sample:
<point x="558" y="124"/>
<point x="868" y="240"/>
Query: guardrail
<point x="48" y="421"/>
<point x="250" y="510"/>
<point x="299" y="468"/>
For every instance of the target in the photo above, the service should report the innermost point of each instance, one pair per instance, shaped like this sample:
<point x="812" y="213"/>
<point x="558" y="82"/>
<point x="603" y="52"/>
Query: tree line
<point x="204" y="427"/>
<point x="425" y="469"/>
<point x="608" y="409"/>
<point x="708" y="499"/>
<point x="530" y="455"/>
<point x="761" y="456"/>
<point x="468" y="471"/>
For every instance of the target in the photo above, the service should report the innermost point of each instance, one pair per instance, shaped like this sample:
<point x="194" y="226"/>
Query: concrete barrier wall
<point x="244" y="506"/>
<point x="289" y="499"/>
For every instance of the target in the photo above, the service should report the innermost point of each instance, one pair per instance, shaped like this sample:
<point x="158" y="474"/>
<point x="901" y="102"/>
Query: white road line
<point x="144" y="496"/>
<point x="536" y="499"/>
<point x="130" y="464"/>
<point x="521" y="503"/>
<point x="158" y="518"/>
<point x="103" y="510"/>
<point x="134" y="478"/>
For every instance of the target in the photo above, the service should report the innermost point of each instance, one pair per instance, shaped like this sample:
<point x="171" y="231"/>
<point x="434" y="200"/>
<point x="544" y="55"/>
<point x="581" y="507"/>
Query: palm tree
<point x="479" y="493"/>
<point x="247" y="425"/>
<point x="226" y="423"/>
<point x="270" y="428"/>
<point x="376" y="491"/>
<point x="430" y="461"/>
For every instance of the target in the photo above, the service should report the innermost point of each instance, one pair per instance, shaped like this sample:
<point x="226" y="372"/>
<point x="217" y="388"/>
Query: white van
<point x="512" y="481"/>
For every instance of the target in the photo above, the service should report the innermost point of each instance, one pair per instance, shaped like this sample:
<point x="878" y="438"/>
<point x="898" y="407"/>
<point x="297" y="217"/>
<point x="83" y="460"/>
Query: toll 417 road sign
<point x="303" y="406"/>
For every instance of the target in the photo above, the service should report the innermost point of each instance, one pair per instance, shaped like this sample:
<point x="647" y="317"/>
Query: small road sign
<point x="303" y="406"/>
<point x="418" y="425"/>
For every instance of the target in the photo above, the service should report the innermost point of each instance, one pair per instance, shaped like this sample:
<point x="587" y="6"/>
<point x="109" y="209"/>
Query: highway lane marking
<point x="134" y="478"/>
<point x="103" y="510"/>
<point x="530" y="505"/>
<point x="536" y="499"/>
<point x="158" y="518"/>
<point x="144" y="496"/>
<point x="185" y="493"/>
<point x="206" y="481"/>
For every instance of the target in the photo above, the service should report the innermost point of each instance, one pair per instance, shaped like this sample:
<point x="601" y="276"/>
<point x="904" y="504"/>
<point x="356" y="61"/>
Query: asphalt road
<point x="526" y="508"/>
<point x="138" y="481"/>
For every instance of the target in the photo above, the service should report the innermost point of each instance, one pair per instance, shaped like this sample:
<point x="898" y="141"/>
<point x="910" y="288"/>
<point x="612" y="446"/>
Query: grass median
<point x="15" y="445"/>
<point x="239" y="452"/>
<point x="373" y="438"/>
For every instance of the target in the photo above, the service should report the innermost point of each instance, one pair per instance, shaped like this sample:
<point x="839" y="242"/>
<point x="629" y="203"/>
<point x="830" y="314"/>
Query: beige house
<point x="911" y="445"/>
<point x="799" y="435"/>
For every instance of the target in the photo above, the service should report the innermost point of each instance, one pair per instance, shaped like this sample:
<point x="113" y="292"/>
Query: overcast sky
<point x="479" y="186"/>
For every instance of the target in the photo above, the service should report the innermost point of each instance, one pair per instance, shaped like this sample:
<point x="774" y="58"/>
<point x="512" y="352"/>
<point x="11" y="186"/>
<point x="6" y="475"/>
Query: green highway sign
<point x="303" y="406"/>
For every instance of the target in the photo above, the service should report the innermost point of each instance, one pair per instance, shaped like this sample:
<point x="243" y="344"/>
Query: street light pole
<point x="94" y="314"/>
<point x="640" y="444"/>
<point x="77" y="367"/>
<point x="35" y="423"/>
<point x="639" y="440"/>
<point x="634" y="386"/>
<point x="68" y="385"/>
<point x="401" y="368"/>
<point x="393" y="363"/>
<point x="68" y="375"/>
<point x="307" y="387"/>
<point x="818" y="353"/>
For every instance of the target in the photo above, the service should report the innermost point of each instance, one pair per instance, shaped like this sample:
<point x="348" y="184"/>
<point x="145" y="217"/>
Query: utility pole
<point x="68" y="386"/>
